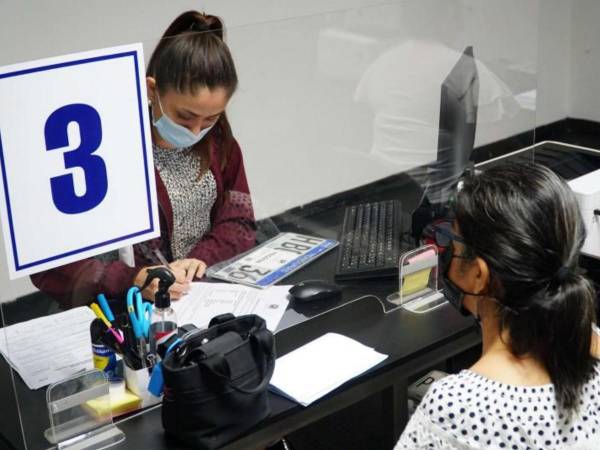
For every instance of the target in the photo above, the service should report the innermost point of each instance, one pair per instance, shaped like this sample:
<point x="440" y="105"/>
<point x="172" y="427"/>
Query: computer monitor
<point x="458" y="122"/>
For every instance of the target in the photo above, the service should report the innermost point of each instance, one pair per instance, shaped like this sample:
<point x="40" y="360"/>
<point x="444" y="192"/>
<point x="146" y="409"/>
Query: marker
<point x="103" y="318"/>
<point x="105" y="308"/>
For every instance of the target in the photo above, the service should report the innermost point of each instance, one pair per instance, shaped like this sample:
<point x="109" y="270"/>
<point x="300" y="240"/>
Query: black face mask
<point x="443" y="237"/>
<point x="454" y="294"/>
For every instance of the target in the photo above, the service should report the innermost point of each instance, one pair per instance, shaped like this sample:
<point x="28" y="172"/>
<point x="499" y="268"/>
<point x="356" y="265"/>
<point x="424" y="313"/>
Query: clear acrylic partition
<point x="566" y="117"/>
<point x="79" y="413"/>
<point x="338" y="103"/>
<point x="566" y="125"/>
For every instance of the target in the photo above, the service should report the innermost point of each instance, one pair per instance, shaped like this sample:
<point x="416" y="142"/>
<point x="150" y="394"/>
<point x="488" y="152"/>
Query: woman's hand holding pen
<point x="177" y="289"/>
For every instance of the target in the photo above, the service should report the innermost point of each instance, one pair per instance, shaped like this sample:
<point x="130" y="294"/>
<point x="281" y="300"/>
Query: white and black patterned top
<point x="191" y="198"/>
<point x="469" y="411"/>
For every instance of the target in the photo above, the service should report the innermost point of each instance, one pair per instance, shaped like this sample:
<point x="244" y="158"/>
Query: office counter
<point x="414" y="342"/>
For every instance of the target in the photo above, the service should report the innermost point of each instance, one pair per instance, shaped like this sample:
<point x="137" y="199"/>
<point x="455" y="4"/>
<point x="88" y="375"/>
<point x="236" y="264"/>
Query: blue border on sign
<point x="133" y="54"/>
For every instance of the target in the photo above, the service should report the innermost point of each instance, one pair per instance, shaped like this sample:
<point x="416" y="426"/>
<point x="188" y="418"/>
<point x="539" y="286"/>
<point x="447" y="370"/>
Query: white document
<point x="311" y="371"/>
<point x="207" y="300"/>
<point x="51" y="348"/>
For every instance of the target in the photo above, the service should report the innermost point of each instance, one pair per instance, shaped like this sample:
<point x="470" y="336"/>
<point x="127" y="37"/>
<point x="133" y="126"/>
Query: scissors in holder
<point x="140" y="313"/>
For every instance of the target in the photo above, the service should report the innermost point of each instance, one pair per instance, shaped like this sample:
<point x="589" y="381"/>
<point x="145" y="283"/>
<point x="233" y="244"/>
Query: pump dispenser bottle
<point x="164" y="320"/>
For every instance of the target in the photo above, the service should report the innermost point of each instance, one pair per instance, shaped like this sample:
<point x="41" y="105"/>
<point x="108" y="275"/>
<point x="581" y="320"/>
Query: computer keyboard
<point x="371" y="241"/>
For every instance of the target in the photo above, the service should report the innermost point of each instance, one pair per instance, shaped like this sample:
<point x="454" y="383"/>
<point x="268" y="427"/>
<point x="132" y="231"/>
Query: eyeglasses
<point x="441" y="235"/>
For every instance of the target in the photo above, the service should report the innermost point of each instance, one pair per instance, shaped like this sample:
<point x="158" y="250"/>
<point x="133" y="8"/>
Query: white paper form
<point x="207" y="300"/>
<point x="50" y="348"/>
<point x="311" y="371"/>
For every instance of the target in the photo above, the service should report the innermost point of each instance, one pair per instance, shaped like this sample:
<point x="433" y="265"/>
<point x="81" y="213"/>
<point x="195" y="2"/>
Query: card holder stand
<point x="75" y="424"/>
<point x="418" y="281"/>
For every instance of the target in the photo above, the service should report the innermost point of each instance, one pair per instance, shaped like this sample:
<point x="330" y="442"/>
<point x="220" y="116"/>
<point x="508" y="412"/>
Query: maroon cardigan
<point x="232" y="231"/>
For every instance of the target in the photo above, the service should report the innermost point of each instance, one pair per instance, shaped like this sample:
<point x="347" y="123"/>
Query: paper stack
<point x="51" y="348"/>
<point x="311" y="371"/>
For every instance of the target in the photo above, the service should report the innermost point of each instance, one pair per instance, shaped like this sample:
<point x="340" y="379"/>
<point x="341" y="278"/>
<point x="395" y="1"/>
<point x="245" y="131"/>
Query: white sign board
<point x="76" y="165"/>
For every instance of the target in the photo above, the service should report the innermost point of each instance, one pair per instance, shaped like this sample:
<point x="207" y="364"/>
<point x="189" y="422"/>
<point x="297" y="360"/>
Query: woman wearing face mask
<point x="512" y="261"/>
<point x="204" y="202"/>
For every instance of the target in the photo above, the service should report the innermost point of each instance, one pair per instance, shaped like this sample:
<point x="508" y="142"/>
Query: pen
<point x="130" y="354"/>
<point x="127" y="330"/>
<point x="161" y="257"/>
<point x="102" y="317"/>
<point x="106" y="308"/>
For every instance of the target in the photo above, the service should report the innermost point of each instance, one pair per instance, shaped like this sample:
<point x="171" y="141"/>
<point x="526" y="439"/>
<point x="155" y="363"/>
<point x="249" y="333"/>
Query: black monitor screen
<point x="458" y="121"/>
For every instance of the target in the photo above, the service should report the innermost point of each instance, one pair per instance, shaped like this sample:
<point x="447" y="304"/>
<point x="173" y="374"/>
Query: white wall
<point x="554" y="60"/>
<point x="584" y="92"/>
<point x="569" y="60"/>
<point x="296" y="115"/>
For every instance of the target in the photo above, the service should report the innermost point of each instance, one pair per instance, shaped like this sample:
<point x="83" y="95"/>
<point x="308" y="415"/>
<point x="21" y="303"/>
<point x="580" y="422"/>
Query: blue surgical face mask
<point x="175" y="134"/>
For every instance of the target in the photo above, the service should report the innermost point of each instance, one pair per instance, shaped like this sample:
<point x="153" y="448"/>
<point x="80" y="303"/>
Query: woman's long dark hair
<point x="524" y="221"/>
<point x="192" y="55"/>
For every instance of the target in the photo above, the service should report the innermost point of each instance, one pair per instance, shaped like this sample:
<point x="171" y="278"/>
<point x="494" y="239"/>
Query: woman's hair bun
<point x="195" y="22"/>
<point x="201" y="22"/>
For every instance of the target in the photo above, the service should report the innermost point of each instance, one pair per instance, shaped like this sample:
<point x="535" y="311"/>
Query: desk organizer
<point x="137" y="382"/>
<point x="418" y="281"/>
<point x="74" y="423"/>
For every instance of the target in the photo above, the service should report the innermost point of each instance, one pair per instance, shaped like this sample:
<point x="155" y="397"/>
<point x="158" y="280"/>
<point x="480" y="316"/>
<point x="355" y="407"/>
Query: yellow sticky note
<point x="415" y="282"/>
<point x="118" y="404"/>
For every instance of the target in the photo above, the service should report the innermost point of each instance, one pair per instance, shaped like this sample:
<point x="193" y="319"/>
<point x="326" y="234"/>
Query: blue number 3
<point x="94" y="168"/>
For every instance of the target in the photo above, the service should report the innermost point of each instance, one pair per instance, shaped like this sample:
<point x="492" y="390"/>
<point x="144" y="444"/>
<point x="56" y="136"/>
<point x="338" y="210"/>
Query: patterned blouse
<point x="192" y="198"/>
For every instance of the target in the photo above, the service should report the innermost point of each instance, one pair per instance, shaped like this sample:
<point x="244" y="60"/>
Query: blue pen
<point x="105" y="308"/>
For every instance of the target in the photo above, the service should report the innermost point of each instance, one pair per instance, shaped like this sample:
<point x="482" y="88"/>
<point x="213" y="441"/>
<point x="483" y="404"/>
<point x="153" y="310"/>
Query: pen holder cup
<point x="137" y="382"/>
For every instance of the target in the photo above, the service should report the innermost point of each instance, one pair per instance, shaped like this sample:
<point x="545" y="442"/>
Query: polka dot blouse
<point x="469" y="411"/>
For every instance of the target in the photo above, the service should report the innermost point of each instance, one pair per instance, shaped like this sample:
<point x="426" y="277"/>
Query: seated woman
<point x="204" y="202"/>
<point x="512" y="261"/>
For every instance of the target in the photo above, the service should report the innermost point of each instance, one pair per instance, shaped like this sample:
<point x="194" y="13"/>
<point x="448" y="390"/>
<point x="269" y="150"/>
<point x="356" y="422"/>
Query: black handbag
<point x="216" y="381"/>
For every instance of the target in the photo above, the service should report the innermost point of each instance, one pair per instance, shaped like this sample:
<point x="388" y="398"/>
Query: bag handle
<point x="220" y="319"/>
<point x="219" y="367"/>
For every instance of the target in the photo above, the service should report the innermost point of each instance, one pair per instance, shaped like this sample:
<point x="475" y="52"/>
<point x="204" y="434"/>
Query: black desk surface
<point x="409" y="339"/>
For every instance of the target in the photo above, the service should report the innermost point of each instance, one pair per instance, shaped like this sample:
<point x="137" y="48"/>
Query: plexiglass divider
<point x="79" y="409"/>
<point x="337" y="104"/>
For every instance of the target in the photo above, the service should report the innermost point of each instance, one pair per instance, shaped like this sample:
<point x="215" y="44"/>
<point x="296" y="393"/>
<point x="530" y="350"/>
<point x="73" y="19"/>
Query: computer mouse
<point x="309" y="290"/>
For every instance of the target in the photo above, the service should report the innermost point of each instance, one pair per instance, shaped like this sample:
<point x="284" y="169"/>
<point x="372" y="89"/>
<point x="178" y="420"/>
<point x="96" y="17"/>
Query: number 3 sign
<point x="76" y="165"/>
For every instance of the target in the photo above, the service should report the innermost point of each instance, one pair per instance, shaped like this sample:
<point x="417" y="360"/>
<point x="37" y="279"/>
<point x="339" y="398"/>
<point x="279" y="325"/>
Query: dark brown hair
<point x="524" y="221"/>
<point x="192" y="55"/>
